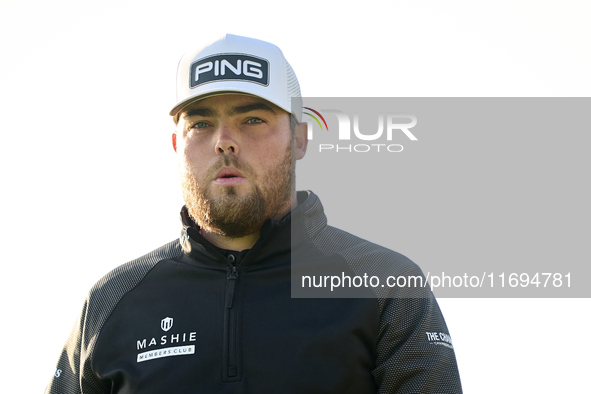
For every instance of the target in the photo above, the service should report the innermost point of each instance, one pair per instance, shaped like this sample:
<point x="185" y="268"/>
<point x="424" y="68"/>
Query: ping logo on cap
<point x="230" y="66"/>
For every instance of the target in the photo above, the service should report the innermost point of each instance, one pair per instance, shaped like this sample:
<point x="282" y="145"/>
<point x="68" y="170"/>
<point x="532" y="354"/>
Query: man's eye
<point x="254" y="121"/>
<point x="199" y="125"/>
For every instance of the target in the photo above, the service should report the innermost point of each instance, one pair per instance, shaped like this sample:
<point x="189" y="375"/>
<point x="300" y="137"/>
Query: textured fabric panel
<point x="363" y="257"/>
<point x="75" y="364"/>
<point x="315" y="220"/>
<point x="66" y="378"/>
<point x="293" y="92"/>
<point x="406" y="361"/>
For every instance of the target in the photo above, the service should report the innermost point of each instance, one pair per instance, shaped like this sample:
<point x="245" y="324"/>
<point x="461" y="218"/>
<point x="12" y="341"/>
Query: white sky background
<point x="89" y="178"/>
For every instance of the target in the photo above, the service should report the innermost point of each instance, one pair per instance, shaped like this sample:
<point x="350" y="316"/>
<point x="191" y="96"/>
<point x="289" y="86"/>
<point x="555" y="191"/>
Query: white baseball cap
<point x="235" y="64"/>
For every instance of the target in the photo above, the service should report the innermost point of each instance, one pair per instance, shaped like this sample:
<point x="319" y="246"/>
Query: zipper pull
<point x="232" y="277"/>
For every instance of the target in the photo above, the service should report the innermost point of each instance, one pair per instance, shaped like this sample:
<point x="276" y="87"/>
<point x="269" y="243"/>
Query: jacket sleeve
<point x="73" y="372"/>
<point x="414" y="349"/>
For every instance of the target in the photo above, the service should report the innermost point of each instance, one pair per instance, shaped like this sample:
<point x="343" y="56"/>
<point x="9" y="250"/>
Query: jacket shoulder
<point x="108" y="291"/>
<point x="128" y="275"/>
<point x="365" y="257"/>
<point x="356" y="250"/>
<point x="75" y="363"/>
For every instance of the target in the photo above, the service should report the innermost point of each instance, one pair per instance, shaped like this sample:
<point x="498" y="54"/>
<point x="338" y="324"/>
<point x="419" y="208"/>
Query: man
<point x="212" y="312"/>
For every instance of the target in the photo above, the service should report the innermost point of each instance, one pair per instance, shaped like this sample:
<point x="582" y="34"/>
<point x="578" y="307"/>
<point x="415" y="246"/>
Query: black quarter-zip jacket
<point x="191" y="318"/>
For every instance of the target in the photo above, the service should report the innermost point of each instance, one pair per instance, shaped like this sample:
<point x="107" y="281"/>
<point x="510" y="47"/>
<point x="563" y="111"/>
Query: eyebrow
<point x="250" y="107"/>
<point x="205" y="112"/>
<point x="209" y="112"/>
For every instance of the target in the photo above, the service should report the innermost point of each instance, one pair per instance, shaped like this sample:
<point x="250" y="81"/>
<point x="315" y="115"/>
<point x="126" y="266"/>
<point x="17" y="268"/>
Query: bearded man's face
<point x="236" y="163"/>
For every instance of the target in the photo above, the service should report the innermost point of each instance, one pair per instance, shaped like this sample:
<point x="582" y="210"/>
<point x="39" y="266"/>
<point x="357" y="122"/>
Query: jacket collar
<point x="277" y="236"/>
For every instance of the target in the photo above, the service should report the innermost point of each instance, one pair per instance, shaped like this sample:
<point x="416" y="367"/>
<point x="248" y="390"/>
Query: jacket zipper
<point x="230" y="369"/>
<point x="232" y="278"/>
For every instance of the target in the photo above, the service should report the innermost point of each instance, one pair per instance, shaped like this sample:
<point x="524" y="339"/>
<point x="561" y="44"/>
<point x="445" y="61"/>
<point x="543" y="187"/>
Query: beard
<point x="234" y="215"/>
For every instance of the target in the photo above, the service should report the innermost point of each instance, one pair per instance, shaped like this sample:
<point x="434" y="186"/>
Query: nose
<point x="226" y="142"/>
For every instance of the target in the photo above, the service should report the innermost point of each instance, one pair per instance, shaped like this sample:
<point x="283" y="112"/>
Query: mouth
<point x="229" y="176"/>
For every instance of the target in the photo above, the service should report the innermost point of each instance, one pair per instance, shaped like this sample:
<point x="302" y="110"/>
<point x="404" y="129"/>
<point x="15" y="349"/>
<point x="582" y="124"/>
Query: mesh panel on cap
<point x="293" y="92"/>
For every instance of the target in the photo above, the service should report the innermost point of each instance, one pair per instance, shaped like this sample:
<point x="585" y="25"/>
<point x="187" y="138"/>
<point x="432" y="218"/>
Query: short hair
<point x="293" y="122"/>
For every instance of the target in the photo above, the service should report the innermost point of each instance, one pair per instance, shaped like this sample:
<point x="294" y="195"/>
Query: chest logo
<point x="166" y="323"/>
<point x="154" y="348"/>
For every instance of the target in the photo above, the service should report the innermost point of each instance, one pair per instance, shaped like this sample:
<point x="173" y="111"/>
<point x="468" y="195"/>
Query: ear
<point x="301" y="140"/>
<point x="174" y="140"/>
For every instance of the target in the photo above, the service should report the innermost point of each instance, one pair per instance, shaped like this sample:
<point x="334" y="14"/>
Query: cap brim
<point x="179" y="107"/>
